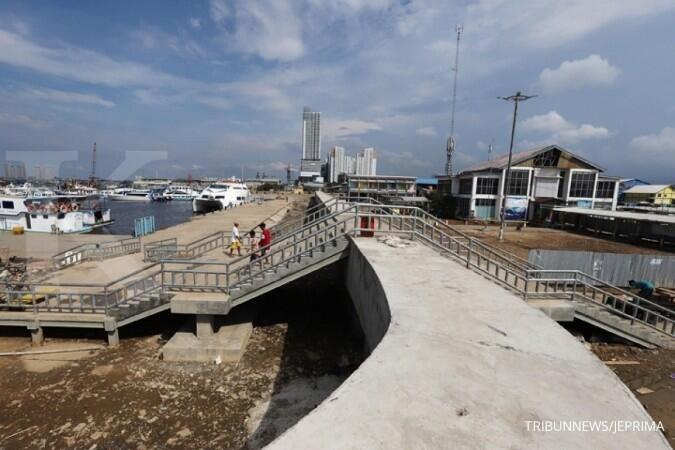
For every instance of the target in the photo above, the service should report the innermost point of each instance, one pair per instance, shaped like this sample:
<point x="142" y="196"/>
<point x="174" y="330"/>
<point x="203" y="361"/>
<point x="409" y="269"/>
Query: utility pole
<point x="515" y="99"/>
<point x="450" y="147"/>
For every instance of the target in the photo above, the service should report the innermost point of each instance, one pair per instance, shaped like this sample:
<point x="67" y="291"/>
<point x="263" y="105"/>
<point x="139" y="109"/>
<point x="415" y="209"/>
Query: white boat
<point x="131" y="195"/>
<point x="221" y="195"/>
<point x="52" y="214"/>
<point x="182" y="193"/>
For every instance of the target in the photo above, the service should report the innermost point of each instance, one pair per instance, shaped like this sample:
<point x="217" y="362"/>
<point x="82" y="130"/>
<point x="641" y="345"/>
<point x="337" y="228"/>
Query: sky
<point x="215" y="88"/>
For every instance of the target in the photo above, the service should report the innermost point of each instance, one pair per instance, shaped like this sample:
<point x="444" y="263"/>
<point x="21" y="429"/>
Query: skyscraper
<point x="311" y="134"/>
<point x="366" y="162"/>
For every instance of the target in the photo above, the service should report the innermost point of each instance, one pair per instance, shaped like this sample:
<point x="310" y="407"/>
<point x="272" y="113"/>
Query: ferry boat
<point x="181" y="193"/>
<point x="221" y="195"/>
<point x="131" y="195"/>
<point x="52" y="214"/>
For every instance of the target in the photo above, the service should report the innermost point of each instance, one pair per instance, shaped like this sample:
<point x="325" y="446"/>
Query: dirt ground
<point x="520" y="242"/>
<point x="127" y="398"/>
<point x="655" y="370"/>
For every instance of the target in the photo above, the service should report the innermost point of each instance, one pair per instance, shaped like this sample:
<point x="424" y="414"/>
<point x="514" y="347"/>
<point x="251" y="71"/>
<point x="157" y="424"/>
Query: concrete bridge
<point x="457" y="357"/>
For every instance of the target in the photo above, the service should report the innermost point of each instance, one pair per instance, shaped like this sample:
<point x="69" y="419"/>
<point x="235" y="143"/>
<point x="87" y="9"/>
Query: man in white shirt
<point x="235" y="242"/>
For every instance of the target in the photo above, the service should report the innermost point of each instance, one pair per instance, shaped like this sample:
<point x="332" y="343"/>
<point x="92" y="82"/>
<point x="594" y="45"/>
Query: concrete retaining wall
<point x="368" y="297"/>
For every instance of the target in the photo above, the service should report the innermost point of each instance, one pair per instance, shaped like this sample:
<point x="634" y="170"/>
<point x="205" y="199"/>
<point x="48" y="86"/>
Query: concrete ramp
<point x="458" y="362"/>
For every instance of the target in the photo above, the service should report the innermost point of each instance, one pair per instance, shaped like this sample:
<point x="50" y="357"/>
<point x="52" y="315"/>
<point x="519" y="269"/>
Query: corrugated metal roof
<point x="646" y="189"/>
<point x="502" y="161"/>
<point x="647" y="217"/>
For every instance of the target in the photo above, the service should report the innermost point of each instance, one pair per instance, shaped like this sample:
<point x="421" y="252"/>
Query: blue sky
<point x="211" y="87"/>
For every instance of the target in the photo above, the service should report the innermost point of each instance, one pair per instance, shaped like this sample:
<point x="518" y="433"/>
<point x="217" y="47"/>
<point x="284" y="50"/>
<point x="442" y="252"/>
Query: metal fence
<point x="96" y="252"/>
<point x="613" y="268"/>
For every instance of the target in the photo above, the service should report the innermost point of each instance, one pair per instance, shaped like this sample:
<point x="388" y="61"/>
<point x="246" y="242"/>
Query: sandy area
<point x="127" y="398"/>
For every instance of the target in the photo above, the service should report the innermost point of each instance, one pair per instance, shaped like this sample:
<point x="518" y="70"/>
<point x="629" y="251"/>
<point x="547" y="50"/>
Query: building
<point x="255" y="183"/>
<point x="541" y="177"/>
<point x="15" y="170"/>
<point x="654" y="194"/>
<point x="366" y="162"/>
<point x="310" y="163"/>
<point x="627" y="183"/>
<point x="339" y="163"/>
<point x="380" y="186"/>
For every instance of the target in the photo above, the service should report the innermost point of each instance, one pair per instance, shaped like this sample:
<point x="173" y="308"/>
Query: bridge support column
<point x="37" y="336"/>
<point x="113" y="338"/>
<point x="110" y="326"/>
<point x="204" y="325"/>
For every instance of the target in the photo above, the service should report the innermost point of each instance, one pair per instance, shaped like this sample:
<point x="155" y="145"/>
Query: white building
<point x="548" y="175"/>
<point x="338" y="163"/>
<point x="366" y="162"/>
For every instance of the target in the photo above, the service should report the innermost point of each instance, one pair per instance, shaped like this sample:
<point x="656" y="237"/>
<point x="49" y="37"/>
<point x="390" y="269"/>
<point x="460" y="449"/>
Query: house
<point x="654" y="194"/>
<point x="627" y="183"/>
<point x="540" y="177"/>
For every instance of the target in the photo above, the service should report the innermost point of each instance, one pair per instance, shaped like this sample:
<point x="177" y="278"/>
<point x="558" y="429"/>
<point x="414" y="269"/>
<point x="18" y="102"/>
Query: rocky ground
<point x="301" y="349"/>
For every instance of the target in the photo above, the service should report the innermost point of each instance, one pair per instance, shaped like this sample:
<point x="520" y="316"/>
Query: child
<point x="254" y="245"/>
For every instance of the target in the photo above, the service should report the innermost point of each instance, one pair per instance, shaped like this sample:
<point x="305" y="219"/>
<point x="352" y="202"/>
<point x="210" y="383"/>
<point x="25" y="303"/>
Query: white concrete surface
<point x="463" y="364"/>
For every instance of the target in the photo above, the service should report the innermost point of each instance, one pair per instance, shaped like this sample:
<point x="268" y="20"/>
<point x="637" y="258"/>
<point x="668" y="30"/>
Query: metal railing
<point x="94" y="252"/>
<point x="329" y="225"/>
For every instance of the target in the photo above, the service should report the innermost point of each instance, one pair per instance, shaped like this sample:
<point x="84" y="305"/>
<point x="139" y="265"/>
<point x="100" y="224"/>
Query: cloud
<point x="661" y="143"/>
<point x="214" y="102"/>
<point x="54" y="95"/>
<point x="542" y="24"/>
<point x="580" y="73"/>
<point x="401" y="161"/>
<point x="153" y="38"/>
<point x="561" y="130"/>
<point x="81" y="65"/>
<point x="268" y="29"/>
<point x="195" y="23"/>
<point x="332" y="129"/>
<point x="22" y="120"/>
<point x="426" y="131"/>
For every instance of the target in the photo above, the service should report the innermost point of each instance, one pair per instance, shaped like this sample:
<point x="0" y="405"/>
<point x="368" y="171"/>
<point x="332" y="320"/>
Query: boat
<point x="52" y="214"/>
<point x="181" y="193"/>
<point x="159" y="195"/>
<point x="221" y="195"/>
<point x="131" y="195"/>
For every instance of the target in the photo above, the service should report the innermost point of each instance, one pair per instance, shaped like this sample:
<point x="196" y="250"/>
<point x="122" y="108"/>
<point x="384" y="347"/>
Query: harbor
<point x="291" y="225"/>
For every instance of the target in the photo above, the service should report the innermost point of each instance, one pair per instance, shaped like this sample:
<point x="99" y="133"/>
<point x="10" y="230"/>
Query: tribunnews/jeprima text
<point x="593" y="426"/>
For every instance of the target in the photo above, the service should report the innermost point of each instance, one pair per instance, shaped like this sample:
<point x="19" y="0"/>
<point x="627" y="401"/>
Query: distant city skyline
<point x="210" y="87"/>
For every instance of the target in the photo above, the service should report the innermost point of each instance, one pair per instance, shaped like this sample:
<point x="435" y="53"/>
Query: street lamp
<point x="515" y="99"/>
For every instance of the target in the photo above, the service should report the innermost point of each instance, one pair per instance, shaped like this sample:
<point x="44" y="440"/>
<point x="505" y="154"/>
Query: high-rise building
<point x="15" y="170"/>
<point x="336" y="164"/>
<point x="366" y="162"/>
<point x="311" y="134"/>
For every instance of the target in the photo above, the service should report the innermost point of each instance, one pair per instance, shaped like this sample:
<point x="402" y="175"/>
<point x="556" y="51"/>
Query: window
<point x="605" y="189"/>
<point x="465" y="185"/>
<point x="518" y="181"/>
<point x="463" y="207"/>
<point x="487" y="186"/>
<point x="8" y="204"/>
<point x="582" y="184"/>
<point x="486" y="208"/>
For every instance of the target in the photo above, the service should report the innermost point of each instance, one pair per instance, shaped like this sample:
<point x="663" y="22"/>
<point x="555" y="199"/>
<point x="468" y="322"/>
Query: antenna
<point x="93" y="165"/>
<point x="450" y="148"/>
<point x="489" y="152"/>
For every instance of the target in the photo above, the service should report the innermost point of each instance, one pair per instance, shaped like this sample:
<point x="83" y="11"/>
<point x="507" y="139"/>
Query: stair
<point x="636" y="332"/>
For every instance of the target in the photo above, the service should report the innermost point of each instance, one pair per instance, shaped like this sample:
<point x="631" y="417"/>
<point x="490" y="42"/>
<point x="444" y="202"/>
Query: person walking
<point x="265" y="241"/>
<point x="254" y="245"/>
<point x="235" y="240"/>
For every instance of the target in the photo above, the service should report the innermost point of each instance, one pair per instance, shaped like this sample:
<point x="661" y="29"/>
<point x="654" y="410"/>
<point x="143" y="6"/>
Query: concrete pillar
<point x="113" y="338"/>
<point x="204" y="325"/>
<point x="37" y="336"/>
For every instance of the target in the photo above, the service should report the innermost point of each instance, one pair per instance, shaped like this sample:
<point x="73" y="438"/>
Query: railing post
<point x="105" y="297"/>
<point x="527" y="284"/>
<point x="468" y="254"/>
